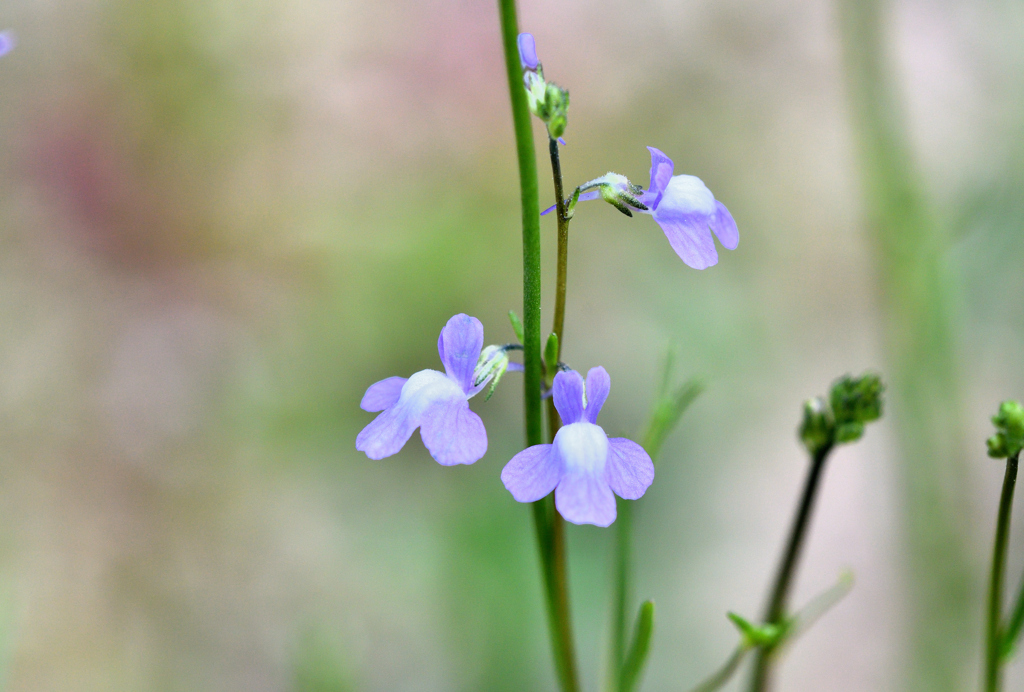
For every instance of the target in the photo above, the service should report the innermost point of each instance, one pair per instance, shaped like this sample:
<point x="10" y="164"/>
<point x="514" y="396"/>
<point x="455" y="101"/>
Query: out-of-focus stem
<point x="917" y="296"/>
<point x="776" y="609"/>
<point x="994" y="629"/>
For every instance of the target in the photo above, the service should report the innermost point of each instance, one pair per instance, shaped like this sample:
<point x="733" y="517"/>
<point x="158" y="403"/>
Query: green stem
<point x="561" y="280"/>
<point x="560" y="580"/>
<point x="776" y="610"/>
<point x="531" y="224"/>
<point x="549" y="528"/>
<point x="1013" y="629"/>
<point x="994" y="643"/>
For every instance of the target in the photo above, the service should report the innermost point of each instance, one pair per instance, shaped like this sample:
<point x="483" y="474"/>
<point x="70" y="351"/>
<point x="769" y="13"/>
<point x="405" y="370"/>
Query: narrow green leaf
<point x="517" y="325"/>
<point x="551" y="356"/>
<point x="633" y="666"/>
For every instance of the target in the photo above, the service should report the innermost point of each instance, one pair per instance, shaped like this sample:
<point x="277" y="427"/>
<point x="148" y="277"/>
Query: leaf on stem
<point x="636" y="656"/>
<point x="517" y="325"/>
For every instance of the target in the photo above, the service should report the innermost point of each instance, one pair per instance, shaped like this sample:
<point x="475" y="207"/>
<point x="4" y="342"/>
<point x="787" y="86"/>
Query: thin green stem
<point x="993" y="630"/>
<point x="1013" y="628"/>
<point x="561" y="279"/>
<point x="531" y="224"/>
<point x="549" y="529"/>
<point x="776" y="610"/>
<point x="560" y="580"/>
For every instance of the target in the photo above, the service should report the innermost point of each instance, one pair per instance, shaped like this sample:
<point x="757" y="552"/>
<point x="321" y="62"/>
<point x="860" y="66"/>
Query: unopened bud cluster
<point x="852" y="403"/>
<point x="547" y="100"/>
<point x="1009" y="438"/>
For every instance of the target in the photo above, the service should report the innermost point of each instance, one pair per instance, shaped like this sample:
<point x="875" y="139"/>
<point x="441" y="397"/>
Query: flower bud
<point x="817" y="426"/>
<point x="1009" y="438"/>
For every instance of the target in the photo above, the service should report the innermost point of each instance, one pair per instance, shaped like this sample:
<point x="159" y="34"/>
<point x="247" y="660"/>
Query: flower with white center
<point x="435" y="402"/>
<point x="583" y="466"/>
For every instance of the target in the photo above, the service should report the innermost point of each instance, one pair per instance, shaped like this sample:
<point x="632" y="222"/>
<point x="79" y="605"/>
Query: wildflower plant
<point x="570" y="469"/>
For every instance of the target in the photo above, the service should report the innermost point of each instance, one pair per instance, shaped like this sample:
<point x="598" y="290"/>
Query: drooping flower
<point x="681" y="204"/>
<point x="583" y="466"/>
<point x="435" y="402"/>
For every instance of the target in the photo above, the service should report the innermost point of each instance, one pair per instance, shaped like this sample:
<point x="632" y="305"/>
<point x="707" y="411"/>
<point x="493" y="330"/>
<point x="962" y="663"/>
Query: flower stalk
<point x="994" y="631"/>
<point x="550" y="532"/>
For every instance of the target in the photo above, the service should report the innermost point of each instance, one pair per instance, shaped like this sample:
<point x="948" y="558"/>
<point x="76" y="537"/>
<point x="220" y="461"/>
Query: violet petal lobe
<point x="387" y="433"/>
<point x="661" y="174"/>
<point x="724" y="227"/>
<point x="598" y="385"/>
<point x="383" y="394"/>
<point x="527" y="51"/>
<point x="532" y="474"/>
<point x="567" y="391"/>
<point x="460" y="344"/>
<point x="691" y="238"/>
<point x="585" y="498"/>
<point x="629" y="469"/>
<point x="452" y="433"/>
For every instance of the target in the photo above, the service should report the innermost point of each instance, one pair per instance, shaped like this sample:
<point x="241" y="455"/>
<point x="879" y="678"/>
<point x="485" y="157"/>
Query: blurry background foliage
<point x="220" y="221"/>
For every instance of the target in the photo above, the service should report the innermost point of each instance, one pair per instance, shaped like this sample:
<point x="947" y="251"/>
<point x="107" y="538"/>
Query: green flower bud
<point x="855" y="401"/>
<point x="551" y="356"/>
<point x="1009" y="438"/>
<point x="817" y="427"/>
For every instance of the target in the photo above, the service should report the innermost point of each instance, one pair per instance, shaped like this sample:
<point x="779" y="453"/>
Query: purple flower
<point x="6" y="42"/>
<point x="583" y="466"/>
<point x="435" y="402"/>
<point x="528" y="52"/>
<point x="684" y="208"/>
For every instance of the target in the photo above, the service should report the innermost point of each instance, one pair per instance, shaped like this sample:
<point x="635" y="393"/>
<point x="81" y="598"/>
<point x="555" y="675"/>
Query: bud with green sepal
<point x="852" y="402"/>
<point x="546" y="100"/>
<point x="1009" y="438"/>
<point x="493" y="364"/>
<point x="817" y="426"/>
<point x="613" y="188"/>
<point x="855" y="401"/>
<point x="551" y="357"/>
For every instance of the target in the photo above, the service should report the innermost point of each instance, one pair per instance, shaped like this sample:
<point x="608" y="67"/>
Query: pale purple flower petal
<point x="515" y="367"/>
<point x="383" y="394"/>
<point x="7" y="42"/>
<point x="460" y="344"/>
<point x="567" y="391"/>
<point x="661" y="174"/>
<point x="452" y="433"/>
<point x="561" y="140"/>
<point x="532" y="474"/>
<point x="598" y="384"/>
<point x="527" y="51"/>
<point x="629" y="470"/>
<point x="587" y="467"/>
<point x="387" y="433"/>
<point x="585" y="498"/>
<point x="724" y="227"/>
<point x="690" y="237"/>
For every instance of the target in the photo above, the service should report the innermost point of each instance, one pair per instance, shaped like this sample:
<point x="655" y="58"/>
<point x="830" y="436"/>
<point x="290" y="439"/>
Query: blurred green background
<point x="220" y="221"/>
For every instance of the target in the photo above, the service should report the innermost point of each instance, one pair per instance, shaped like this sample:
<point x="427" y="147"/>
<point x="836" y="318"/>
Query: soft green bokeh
<point x="221" y="221"/>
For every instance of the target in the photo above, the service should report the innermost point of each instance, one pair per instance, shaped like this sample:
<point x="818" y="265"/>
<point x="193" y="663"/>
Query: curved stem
<point x="776" y="609"/>
<point x="993" y="648"/>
